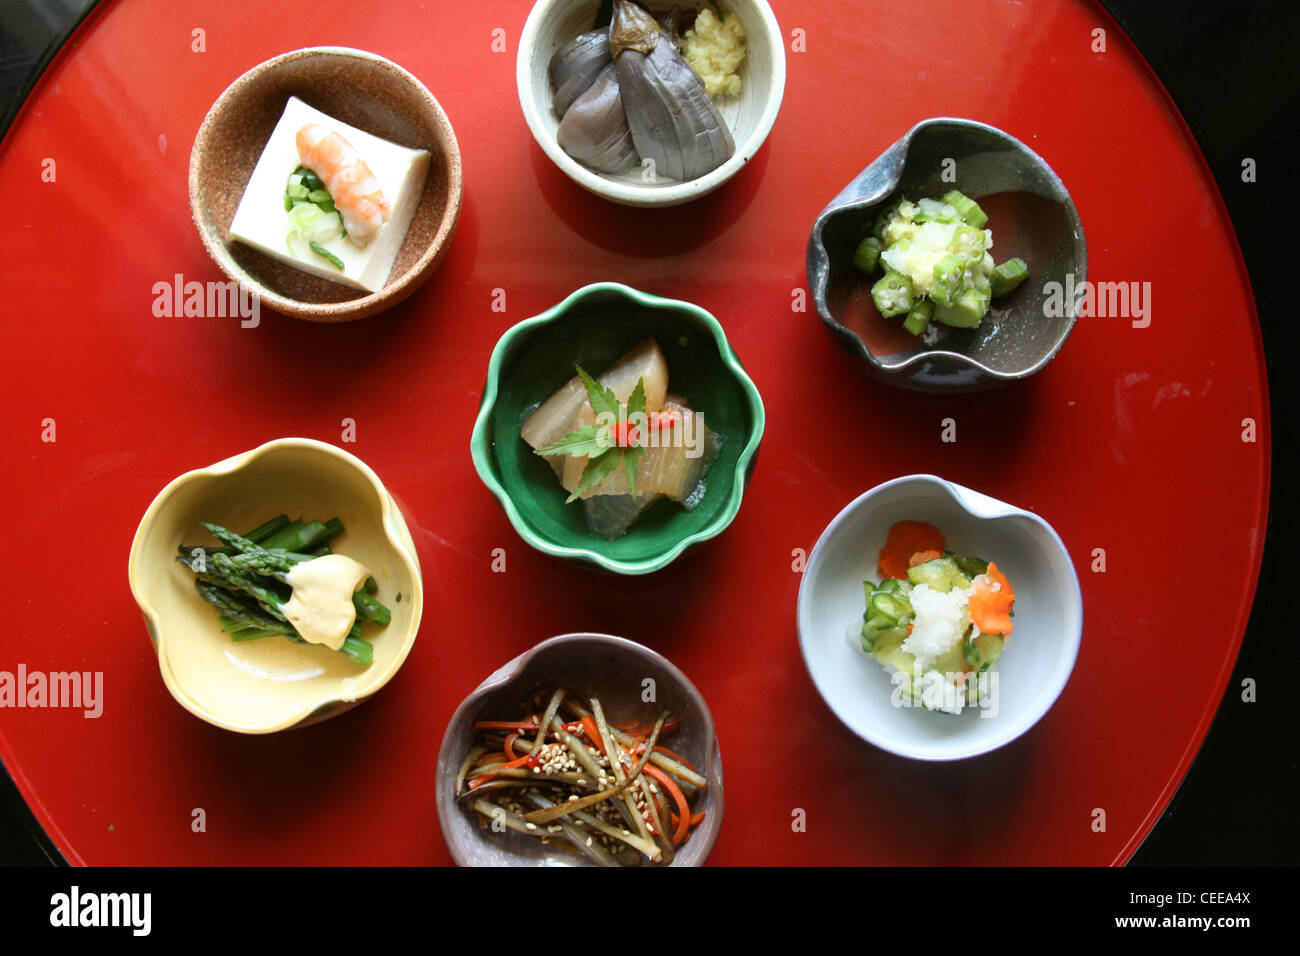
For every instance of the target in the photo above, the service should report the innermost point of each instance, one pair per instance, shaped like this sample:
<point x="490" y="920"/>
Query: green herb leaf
<point x="602" y="399"/>
<point x="597" y="470"/>
<point x="587" y="440"/>
<point x="633" y="466"/>
<point x="636" y="404"/>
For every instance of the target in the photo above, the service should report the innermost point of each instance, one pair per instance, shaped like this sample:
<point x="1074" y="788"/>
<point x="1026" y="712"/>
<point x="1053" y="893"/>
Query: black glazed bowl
<point x="1031" y="216"/>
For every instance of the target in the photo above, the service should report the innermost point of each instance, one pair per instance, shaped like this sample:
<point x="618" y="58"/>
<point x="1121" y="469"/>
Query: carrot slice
<point x="991" y="602"/>
<point x="906" y="538"/>
<point x="923" y="556"/>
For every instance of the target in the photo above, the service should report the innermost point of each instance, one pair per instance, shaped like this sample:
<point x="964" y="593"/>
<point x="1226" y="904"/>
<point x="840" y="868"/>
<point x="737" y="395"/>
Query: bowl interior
<point x="1031" y="217"/>
<point x="747" y="115"/>
<point x="594" y="332"/>
<point x="271" y="682"/>
<point x="365" y="91"/>
<point x="1039" y="654"/>
<point x="613" y="670"/>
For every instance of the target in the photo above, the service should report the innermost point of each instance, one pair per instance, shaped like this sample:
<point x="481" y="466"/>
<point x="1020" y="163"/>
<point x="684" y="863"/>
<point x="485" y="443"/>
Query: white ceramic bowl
<point x="553" y="23"/>
<point x="1039" y="653"/>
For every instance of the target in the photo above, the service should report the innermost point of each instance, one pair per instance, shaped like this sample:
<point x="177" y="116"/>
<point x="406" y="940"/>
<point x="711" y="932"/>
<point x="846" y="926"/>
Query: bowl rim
<point x="980" y="507"/>
<point x="137" y="571"/>
<point x="818" y="265"/>
<point x="482" y="441"/>
<point x="632" y="194"/>
<point x="369" y="303"/>
<point x="513" y="668"/>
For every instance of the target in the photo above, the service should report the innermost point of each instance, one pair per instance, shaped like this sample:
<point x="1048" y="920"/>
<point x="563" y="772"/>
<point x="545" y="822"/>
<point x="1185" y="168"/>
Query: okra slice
<point x="919" y="318"/>
<point x="867" y="254"/>
<point x="967" y="207"/>
<point x="968" y="244"/>
<point x="893" y="294"/>
<point x="949" y="280"/>
<point x="966" y="312"/>
<point x="1008" y="276"/>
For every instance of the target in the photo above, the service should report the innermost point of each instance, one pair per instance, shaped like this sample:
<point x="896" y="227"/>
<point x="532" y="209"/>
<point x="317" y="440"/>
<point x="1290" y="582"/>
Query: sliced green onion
<point x="326" y="254"/>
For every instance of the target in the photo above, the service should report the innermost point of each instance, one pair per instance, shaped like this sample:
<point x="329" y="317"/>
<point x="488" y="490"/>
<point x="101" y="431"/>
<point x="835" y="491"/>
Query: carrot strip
<point x="508" y="748"/>
<point x="684" y="808"/>
<point x="529" y="724"/>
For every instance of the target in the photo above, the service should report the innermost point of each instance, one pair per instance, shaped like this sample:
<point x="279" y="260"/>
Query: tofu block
<point x="261" y="220"/>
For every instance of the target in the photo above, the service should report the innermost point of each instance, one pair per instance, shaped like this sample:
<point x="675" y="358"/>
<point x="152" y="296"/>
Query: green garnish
<point x="326" y="254"/>
<point x="598" y="442"/>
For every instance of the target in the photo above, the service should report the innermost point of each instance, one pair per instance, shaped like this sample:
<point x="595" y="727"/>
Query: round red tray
<point x="1130" y="442"/>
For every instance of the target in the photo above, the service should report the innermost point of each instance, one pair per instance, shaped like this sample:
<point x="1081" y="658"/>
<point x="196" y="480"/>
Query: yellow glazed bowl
<point x="262" y="686"/>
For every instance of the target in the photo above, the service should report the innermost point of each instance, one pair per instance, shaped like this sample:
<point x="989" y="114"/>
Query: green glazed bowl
<point x="593" y="327"/>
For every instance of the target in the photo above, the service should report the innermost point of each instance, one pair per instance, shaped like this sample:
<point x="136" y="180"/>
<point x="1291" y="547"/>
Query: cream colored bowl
<point x="272" y="684"/>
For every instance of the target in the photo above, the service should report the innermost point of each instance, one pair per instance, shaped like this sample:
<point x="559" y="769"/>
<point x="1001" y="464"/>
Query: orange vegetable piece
<point x="906" y="538"/>
<point x="923" y="556"/>
<point x="991" y="602"/>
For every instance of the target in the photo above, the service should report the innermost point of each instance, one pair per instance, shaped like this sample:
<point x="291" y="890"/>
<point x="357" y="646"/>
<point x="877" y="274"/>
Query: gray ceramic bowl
<point x="1032" y="217"/>
<point x="601" y="665"/>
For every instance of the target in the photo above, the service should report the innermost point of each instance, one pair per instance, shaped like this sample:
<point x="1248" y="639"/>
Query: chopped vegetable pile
<point x="312" y="215"/>
<point x="244" y="579"/>
<point x="937" y="619"/>
<point x="609" y="791"/>
<point x="936" y="262"/>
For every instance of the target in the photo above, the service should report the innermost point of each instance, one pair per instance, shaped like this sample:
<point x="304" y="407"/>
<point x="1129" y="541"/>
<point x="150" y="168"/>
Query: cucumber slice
<point x="969" y="566"/>
<point x="989" y="647"/>
<point x="942" y="574"/>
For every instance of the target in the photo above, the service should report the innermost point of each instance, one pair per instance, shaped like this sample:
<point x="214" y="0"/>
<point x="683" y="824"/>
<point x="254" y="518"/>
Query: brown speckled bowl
<point x="601" y="665"/>
<point x="365" y="90"/>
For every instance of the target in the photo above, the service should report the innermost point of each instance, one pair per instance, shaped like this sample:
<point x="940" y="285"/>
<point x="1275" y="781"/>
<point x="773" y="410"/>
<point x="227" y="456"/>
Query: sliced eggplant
<point x="594" y="131"/>
<point x="673" y="121"/>
<point x="576" y="65"/>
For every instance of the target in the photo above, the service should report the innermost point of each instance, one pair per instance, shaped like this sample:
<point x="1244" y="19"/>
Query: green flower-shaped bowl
<point x="592" y="328"/>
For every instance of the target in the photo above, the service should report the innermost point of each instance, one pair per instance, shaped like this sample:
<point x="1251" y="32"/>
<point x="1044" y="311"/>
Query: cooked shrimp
<point x="352" y="186"/>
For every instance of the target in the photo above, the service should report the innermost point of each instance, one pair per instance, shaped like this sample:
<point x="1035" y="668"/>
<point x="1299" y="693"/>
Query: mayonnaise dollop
<point x="321" y="608"/>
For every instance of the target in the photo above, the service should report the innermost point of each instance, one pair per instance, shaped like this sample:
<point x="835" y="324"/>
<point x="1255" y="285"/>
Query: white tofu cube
<point x="262" y="222"/>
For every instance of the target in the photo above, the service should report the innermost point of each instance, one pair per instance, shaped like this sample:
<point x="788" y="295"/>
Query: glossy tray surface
<point x="1130" y="442"/>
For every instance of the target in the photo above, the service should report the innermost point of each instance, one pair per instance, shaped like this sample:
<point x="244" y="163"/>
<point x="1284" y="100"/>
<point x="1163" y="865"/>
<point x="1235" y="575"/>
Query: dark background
<point x="1232" y="70"/>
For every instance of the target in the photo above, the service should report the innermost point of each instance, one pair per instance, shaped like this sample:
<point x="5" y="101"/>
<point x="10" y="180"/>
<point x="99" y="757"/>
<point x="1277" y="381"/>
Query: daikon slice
<point x="554" y="419"/>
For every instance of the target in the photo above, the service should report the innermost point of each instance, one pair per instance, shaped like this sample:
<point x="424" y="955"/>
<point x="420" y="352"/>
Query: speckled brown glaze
<point x="356" y="87"/>
<point x="601" y="665"/>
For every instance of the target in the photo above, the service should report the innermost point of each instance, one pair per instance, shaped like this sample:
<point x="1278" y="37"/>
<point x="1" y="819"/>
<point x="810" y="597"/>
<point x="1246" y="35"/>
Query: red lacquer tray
<point x="1131" y="441"/>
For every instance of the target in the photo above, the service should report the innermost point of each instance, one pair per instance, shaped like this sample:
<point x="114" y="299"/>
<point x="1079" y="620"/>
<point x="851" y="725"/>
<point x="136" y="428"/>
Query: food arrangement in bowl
<point x="327" y="181"/>
<point x="563" y="774"/>
<point x="906" y="611"/>
<point x="919" y="265"/>
<point x="937" y="619"/>
<point x="294" y="619"/>
<point x="617" y="471"/>
<point x="650" y="105"/>
<point x="560" y="758"/>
